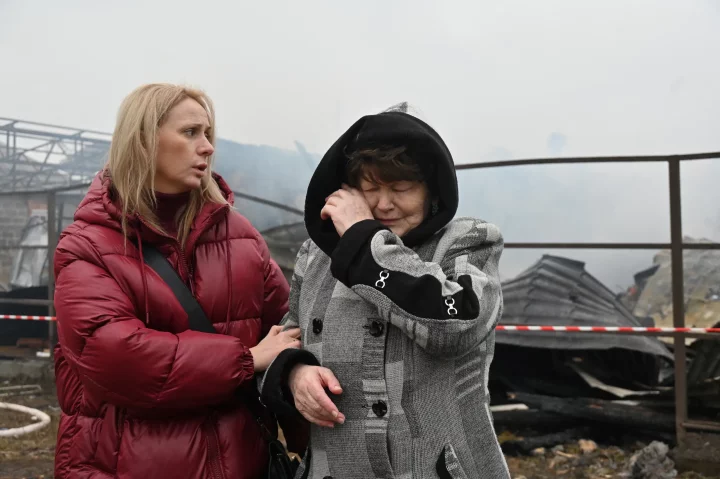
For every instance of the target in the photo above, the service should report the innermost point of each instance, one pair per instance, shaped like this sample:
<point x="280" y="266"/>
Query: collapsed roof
<point x="558" y="291"/>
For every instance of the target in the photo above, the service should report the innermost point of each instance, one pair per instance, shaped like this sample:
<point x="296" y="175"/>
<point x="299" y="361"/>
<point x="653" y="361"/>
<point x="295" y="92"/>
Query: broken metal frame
<point x="40" y="156"/>
<point x="676" y="247"/>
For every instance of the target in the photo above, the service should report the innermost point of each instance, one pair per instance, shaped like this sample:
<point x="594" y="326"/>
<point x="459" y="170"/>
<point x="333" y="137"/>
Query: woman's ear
<point x="434" y="206"/>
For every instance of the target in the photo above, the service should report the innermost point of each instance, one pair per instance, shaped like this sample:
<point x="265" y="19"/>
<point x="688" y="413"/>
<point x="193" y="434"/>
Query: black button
<point x="377" y="328"/>
<point x="328" y="477"/>
<point x="379" y="408"/>
<point x="317" y="326"/>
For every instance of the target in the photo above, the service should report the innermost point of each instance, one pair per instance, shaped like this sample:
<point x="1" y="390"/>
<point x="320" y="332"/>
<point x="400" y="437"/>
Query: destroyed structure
<point x="651" y="295"/>
<point x="573" y="382"/>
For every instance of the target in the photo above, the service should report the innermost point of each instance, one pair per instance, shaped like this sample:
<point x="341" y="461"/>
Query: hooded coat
<point x="142" y="396"/>
<point x="405" y="324"/>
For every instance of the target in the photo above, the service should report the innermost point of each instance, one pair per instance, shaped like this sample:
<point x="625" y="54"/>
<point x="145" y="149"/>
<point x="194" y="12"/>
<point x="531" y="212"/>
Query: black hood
<point x="391" y="129"/>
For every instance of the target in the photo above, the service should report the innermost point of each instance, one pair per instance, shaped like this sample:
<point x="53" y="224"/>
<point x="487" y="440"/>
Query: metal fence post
<point x="678" y="299"/>
<point x="52" y="239"/>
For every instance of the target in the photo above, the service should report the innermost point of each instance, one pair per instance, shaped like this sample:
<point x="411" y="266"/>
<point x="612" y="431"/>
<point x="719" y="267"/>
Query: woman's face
<point x="399" y="205"/>
<point x="183" y="148"/>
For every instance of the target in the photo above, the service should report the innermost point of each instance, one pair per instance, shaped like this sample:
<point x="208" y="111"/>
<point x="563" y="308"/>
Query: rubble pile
<point x="564" y="387"/>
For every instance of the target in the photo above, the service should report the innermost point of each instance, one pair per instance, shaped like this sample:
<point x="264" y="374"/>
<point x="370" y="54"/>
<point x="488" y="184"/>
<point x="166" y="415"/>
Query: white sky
<point x="494" y="77"/>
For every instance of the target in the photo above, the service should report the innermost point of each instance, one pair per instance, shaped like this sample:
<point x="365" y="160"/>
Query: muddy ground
<point x="31" y="455"/>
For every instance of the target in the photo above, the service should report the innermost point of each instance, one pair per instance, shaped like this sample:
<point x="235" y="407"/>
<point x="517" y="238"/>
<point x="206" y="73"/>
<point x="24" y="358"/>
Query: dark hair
<point x="382" y="165"/>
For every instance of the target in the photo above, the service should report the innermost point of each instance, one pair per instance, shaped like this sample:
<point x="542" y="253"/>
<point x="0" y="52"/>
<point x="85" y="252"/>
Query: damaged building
<point x="43" y="165"/>
<point x="570" y="382"/>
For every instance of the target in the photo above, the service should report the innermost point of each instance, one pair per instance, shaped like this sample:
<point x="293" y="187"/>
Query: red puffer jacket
<point x="143" y="396"/>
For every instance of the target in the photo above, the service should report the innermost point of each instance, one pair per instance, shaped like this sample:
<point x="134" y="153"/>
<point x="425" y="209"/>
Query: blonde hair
<point x="131" y="160"/>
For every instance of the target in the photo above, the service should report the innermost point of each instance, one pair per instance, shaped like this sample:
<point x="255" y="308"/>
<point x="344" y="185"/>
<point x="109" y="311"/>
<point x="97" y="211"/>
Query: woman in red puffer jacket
<point x="143" y="396"/>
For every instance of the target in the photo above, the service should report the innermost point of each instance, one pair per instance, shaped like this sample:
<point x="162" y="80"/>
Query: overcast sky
<point x="496" y="78"/>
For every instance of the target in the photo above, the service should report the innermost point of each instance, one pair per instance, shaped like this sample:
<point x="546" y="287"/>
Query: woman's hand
<point x="273" y="344"/>
<point x="346" y="207"/>
<point x="307" y="384"/>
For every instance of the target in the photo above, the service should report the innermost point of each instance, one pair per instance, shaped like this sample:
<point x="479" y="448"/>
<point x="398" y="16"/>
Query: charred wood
<point x="598" y="410"/>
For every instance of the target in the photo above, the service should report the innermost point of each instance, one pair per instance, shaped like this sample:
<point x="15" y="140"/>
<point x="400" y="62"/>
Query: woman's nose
<point x="206" y="149"/>
<point x="385" y="202"/>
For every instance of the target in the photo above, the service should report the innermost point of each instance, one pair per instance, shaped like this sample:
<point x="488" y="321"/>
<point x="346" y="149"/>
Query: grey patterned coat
<point x="407" y="327"/>
<point x="415" y="385"/>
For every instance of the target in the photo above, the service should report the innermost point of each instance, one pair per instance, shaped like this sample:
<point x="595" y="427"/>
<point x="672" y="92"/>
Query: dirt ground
<point x="569" y="461"/>
<point x="31" y="456"/>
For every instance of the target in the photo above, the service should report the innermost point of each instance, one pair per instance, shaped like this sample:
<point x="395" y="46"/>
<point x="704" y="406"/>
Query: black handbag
<point x="280" y="466"/>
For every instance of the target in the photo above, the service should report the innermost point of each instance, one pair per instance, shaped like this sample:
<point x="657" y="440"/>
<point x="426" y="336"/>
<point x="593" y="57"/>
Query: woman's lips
<point x="387" y="222"/>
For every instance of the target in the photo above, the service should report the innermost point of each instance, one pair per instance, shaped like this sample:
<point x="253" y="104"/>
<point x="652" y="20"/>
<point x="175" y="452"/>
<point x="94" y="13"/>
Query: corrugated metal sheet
<point x="559" y="291"/>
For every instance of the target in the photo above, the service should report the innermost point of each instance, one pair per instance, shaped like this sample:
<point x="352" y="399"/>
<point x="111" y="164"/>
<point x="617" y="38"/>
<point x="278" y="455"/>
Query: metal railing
<point x="676" y="247"/>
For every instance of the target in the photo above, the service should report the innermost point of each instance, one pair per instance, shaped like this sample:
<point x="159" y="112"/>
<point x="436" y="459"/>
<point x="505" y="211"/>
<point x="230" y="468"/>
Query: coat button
<point x="377" y="328"/>
<point x="328" y="477"/>
<point x="317" y="326"/>
<point x="379" y="408"/>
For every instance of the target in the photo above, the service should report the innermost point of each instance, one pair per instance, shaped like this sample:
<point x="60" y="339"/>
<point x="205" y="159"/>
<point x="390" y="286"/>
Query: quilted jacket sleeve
<point x="448" y="305"/>
<point x="275" y="311"/>
<point x="275" y="304"/>
<point x="119" y="359"/>
<point x="273" y="388"/>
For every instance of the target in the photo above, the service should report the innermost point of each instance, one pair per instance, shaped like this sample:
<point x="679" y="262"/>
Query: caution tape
<point x="607" y="329"/>
<point x="504" y="327"/>
<point x="29" y="318"/>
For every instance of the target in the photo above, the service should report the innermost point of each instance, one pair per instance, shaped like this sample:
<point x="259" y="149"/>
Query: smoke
<point x="613" y="203"/>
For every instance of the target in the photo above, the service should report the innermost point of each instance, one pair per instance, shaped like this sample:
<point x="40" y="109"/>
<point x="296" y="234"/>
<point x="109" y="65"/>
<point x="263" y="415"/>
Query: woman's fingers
<point x="311" y="399"/>
<point x="320" y="417"/>
<point x="309" y="407"/>
<point x="321" y="403"/>
<point x="349" y="189"/>
<point x="339" y="193"/>
<point x="330" y="381"/>
<point x="316" y="420"/>
<point x="315" y="404"/>
<point x="292" y="332"/>
<point x="324" y="406"/>
<point x="326" y="212"/>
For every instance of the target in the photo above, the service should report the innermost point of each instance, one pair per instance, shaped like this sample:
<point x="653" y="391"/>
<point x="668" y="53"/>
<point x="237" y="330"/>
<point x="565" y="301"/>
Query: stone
<point x="652" y="462"/>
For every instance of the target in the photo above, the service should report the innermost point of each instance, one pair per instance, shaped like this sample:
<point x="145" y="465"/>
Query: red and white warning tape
<point x="556" y="329"/>
<point x="607" y="329"/>
<point x="30" y="318"/>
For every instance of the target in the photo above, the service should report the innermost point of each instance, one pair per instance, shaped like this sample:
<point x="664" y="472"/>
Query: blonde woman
<point x="142" y="394"/>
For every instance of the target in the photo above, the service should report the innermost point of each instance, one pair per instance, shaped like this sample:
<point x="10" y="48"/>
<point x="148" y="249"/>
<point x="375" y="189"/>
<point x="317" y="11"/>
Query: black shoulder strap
<point x="196" y="316"/>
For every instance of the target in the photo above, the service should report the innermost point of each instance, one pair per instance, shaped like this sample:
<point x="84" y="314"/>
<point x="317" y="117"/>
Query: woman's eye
<point x="190" y="132"/>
